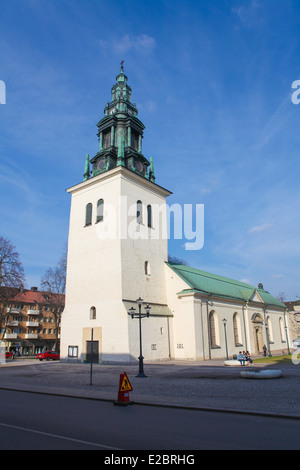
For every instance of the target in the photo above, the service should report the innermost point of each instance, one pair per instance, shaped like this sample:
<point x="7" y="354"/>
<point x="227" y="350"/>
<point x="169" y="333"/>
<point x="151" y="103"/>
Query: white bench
<point x="232" y="363"/>
<point x="261" y="374"/>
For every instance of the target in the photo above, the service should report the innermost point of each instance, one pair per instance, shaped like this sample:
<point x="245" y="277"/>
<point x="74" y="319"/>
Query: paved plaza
<point x="203" y="385"/>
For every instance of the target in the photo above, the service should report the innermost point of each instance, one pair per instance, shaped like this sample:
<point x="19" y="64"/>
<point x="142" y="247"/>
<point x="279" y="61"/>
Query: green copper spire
<point x="120" y="134"/>
<point x="151" y="171"/>
<point x="121" y="152"/>
<point x="86" y="168"/>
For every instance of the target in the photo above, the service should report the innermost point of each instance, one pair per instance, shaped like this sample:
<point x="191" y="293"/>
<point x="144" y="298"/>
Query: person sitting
<point x="248" y="358"/>
<point x="241" y="358"/>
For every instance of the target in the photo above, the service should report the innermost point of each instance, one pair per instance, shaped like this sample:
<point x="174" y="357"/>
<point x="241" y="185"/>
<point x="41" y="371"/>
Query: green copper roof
<point x="269" y="299"/>
<point x="207" y="283"/>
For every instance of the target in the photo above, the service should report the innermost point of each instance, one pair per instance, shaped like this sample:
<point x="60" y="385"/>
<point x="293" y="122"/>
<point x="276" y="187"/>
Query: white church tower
<point x="117" y="246"/>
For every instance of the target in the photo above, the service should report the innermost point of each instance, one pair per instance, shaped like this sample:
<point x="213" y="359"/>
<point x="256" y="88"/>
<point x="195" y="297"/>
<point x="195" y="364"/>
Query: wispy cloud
<point x="209" y="187"/>
<point x="246" y="281"/>
<point x="275" y="122"/>
<point x="260" y="228"/>
<point x="247" y="13"/>
<point x="142" y="43"/>
<point x="18" y="179"/>
<point x="149" y="105"/>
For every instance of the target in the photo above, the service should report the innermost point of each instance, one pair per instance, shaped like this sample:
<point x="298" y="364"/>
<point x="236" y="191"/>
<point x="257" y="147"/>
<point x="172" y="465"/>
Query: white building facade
<point x="118" y="252"/>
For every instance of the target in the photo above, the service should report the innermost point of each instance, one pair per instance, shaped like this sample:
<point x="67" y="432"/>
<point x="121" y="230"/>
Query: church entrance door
<point x="257" y="321"/>
<point x="95" y="352"/>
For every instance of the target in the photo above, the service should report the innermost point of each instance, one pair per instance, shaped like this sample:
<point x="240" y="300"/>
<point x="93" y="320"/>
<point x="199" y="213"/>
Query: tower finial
<point x="122" y="66"/>
<point x="86" y="168"/>
<point x="151" y="171"/>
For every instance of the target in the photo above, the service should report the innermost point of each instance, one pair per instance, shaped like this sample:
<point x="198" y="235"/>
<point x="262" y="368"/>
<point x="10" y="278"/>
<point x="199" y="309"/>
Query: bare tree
<point x="11" y="269"/>
<point x="174" y="260"/>
<point x="12" y="278"/>
<point x="53" y="282"/>
<point x="281" y="297"/>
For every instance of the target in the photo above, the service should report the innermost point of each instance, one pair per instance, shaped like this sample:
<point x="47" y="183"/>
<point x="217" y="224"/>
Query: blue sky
<point x="212" y="82"/>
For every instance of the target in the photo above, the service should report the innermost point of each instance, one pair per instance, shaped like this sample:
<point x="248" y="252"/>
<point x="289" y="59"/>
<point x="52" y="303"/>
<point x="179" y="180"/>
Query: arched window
<point x="214" y="329"/>
<point x="93" y="313"/>
<point x="139" y="212"/>
<point x="107" y="139"/>
<point x="134" y="140"/>
<point x="100" y="208"/>
<point x="237" y="329"/>
<point x="281" y="328"/>
<point x="147" y="268"/>
<point x="149" y="215"/>
<point x="88" y="214"/>
<point x="270" y="330"/>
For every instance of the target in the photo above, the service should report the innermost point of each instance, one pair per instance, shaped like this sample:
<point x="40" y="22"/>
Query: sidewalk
<point x="202" y="385"/>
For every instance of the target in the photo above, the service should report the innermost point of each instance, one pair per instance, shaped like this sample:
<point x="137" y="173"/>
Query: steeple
<point x="120" y="160"/>
<point x="121" y="91"/>
<point x="120" y="134"/>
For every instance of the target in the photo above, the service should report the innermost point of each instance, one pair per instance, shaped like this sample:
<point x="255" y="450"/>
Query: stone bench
<point x="232" y="363"/>
<point x="261" y="374"/>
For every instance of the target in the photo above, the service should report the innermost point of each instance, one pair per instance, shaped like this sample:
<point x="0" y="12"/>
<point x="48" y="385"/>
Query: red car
<point x="48" y="355"/>
<point x="7" y="355"/>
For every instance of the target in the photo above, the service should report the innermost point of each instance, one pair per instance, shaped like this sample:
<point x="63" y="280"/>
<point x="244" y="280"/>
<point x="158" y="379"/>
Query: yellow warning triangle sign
<point x="125" y="385"/>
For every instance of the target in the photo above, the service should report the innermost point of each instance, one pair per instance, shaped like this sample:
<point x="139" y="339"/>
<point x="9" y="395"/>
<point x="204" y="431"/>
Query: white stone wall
<point x="144" y="244"/>
<point x="106" y="270"/>
<point x="183" y="339"/>
<point x="190" y="330"/>
<point x="106" y="266"/>
<point x="155" y="338"/>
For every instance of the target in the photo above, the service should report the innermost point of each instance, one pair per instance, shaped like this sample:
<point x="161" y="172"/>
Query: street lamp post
<point x="286" y="332"/>
<point x="224" y="322"/>
<point x="268" y="338"/>
<point x="140" y="315"/>
<point x="267" y="332"/>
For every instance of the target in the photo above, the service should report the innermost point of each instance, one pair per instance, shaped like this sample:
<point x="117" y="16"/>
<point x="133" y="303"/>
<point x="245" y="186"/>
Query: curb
<point x="159" y="405"/>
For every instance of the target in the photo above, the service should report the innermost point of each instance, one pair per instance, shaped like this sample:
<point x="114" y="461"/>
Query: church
<point x="118" y="253"/>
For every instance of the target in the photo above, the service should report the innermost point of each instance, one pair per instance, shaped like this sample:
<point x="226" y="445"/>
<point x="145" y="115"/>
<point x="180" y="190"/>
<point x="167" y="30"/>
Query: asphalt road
<point x="33" y="421"/>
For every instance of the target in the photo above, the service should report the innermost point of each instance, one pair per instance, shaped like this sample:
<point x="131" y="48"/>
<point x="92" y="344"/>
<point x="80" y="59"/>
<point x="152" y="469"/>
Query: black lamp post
<point x="268" y="338"/>
<point x="286" y="332"/>
<point x="140" y="315"/>
<point x="224" y="322"/>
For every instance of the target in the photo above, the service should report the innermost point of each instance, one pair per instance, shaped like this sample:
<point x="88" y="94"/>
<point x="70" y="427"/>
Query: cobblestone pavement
<point x="205" y="385"/>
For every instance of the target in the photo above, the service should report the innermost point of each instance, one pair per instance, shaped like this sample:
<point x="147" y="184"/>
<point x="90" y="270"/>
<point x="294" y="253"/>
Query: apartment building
<point x="30" y="321"/>
<point x="294" y="313"/>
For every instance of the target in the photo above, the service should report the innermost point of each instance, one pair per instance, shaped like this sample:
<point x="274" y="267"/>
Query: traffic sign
<point x="124" y="389"/>
<point x="125" y="385"/>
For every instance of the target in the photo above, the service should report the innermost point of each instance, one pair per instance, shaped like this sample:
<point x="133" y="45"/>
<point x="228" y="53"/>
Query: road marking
<point x="56" y="436"/>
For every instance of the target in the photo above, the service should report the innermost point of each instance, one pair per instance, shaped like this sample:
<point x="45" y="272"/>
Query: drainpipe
<point x="208" y="329"/>
<point x="169" y="342"/>
<point x="245" y="332"/>
<point x="203" y="345"/>
<point x="267" y="332"/>
<point x="286" y="330"/>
